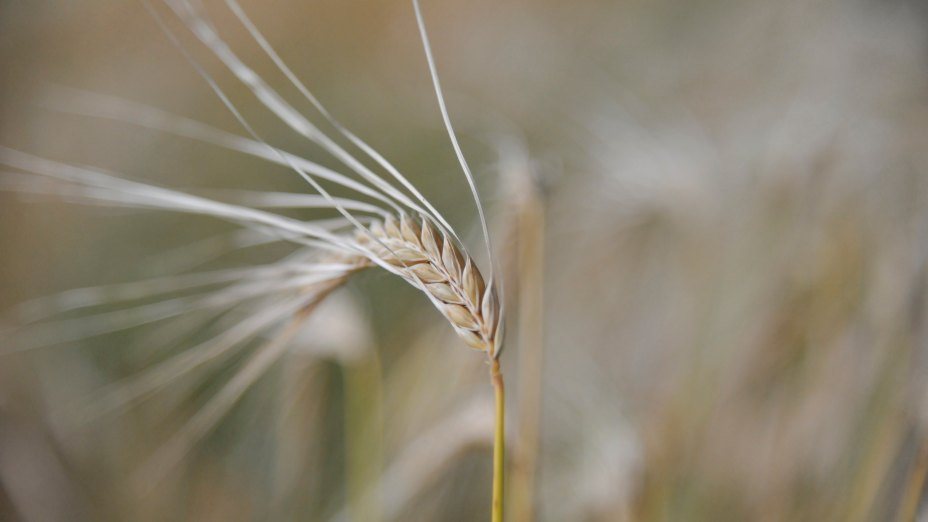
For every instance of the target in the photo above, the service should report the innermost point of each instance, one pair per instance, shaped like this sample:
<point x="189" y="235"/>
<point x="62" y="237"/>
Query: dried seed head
<point x="430" y="260"/>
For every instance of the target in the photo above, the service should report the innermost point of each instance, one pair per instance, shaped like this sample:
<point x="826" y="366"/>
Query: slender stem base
<point x="499" y="442"/>
<point x="364" y="437"/>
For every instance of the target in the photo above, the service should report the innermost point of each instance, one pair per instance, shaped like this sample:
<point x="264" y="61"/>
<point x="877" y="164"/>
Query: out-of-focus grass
<point x="735" y="263"/>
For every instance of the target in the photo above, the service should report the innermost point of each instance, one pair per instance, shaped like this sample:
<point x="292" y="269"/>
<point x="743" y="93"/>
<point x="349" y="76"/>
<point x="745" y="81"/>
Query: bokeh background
<point x="726" y="202"/>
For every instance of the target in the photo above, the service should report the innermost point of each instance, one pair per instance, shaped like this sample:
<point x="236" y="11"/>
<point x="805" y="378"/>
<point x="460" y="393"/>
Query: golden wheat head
<point x="432" y="261"/>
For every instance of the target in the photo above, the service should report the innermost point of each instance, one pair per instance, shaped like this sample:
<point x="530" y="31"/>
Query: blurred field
<point x="728" y="202"/>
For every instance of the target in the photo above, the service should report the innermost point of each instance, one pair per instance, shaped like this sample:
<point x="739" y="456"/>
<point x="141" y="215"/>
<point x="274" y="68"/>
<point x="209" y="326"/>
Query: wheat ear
<point x="431" y="261"/>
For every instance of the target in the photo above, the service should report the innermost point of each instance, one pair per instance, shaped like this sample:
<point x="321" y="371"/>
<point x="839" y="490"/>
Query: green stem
<point x="499" y="442"/>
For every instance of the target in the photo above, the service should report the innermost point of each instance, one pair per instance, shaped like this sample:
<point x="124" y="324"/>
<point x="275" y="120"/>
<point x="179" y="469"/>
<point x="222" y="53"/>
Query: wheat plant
<point x="388" y="224"/>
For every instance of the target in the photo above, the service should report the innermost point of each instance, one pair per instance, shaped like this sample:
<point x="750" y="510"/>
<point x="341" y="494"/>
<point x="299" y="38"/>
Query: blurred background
<point x="712" y="219"/>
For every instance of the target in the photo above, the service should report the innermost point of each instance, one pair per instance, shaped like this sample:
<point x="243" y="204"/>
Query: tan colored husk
<point x="431" y="260"/>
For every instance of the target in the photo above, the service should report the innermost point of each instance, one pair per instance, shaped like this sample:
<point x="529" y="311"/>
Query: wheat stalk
<point x="432" y="262"/>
